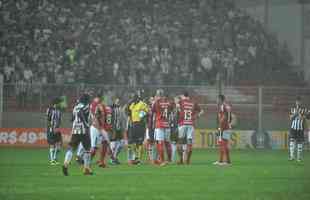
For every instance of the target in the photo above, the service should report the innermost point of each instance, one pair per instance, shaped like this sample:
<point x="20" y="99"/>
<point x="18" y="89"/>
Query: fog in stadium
<point x="154" y="99"/>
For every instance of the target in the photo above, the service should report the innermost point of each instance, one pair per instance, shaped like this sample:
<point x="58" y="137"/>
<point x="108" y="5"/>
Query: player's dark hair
<point x="56" y="100"/>
<point x="221" y="97"/>
<point x="98" y="95"/>
<point x="185" y="93"/>
<point x="298" y="98"/>
<point x="135" y="97"/>
<point x="85" y="98"/>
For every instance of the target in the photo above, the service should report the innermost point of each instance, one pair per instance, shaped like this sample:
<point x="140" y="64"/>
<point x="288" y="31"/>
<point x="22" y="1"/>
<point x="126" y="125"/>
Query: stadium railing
<point x="245" y="101"/>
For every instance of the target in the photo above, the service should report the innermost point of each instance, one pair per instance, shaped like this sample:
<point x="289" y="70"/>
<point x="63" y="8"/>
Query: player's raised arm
<point x="199" y="110"/>
<point x="293" y="114"/>
<point x="308" y="114"/>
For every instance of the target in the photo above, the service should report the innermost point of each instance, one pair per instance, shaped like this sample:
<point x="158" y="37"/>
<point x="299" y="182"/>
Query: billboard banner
<point x="204" y="138"/>
<point x="28" y="137"/>
<point x="278" y="139"/>
<point x="247" y="139"/>
<point x="240" y="139"/>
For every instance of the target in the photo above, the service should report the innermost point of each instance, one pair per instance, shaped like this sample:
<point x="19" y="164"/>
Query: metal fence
<point x="256" y="108"/>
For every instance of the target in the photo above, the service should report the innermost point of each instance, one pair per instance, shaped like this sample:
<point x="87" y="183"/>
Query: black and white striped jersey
<point x="53" y="118"/>
<point x="298" y="115"/>
<point x="117" y="118"/>
<point x="80" y="119"/>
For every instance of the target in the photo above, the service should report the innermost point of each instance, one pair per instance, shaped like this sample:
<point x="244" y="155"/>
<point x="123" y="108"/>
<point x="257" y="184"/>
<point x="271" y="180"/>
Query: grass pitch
<point x="26" y="175"/>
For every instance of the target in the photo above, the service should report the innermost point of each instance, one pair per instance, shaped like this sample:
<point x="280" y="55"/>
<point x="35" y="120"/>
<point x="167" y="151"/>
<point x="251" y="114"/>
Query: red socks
<point x="188" y="153"/>
<point x="224" y="151"/>
<point x="103" y="152"/>
<point x="93" y="153"/>
<point x="169" y="150"/>
<point x="221" y="151"/>
<point x="160" y="149"/>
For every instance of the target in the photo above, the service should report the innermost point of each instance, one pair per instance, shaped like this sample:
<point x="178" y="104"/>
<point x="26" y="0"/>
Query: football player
<point x="162" y="109"/>
<point x="188" y="112"/>
<point x="80" y="134"/>
<point x="54" y="138"/>
<point x="224" y="128"/>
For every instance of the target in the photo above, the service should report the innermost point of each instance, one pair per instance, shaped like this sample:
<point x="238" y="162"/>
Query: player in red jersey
<point x="162" y="109"/>
<point x="106" y="130"/>
<point x="224" y="124"/>
<point x="96" y="113"/>
<point x="188" y="111"/>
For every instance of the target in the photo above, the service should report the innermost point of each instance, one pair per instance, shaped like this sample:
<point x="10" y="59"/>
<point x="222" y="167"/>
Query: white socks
<point x="80" y="151"/>
<point x="131" y="153"/>
<point x="292" y="149"/>
<point x="174" y="149"/>
<point x="68" y="156"/>
<point x="299" y="151"/>
<point x="51" y="154"/>
<point x="86" y="157"/>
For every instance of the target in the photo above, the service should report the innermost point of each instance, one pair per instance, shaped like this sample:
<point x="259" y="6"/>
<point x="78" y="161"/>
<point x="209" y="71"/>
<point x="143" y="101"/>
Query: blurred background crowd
<point x="136" y="42"/>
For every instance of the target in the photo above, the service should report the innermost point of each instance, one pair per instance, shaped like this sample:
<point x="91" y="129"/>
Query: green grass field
<point x="260" y="174"/>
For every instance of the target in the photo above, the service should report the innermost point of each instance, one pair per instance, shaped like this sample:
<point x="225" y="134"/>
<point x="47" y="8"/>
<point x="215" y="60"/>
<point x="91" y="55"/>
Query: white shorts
<point x="186" y="132"/>
<point x="162" y="134"/>
<point x="95" y="137"/>
<point x="226" y="134"/>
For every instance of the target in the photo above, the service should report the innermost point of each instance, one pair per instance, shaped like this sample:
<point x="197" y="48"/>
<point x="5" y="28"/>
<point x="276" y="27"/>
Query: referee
<point x="137" y="111"/>
<point x="297" y="116"/>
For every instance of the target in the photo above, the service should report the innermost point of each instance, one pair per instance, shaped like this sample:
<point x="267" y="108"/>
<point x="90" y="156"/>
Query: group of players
<point x="160" y="125"/>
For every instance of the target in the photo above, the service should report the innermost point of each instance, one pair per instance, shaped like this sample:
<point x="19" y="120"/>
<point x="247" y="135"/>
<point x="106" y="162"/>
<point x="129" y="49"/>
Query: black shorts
<point x="53" y="137"/>
<point x="151" y="135"/>
<point x="136" y="133"/>
<point x="298" y="135"/>
<point x="76" y="139"/>
<point x="117" y="135"/>
<point x="174" y="135"/>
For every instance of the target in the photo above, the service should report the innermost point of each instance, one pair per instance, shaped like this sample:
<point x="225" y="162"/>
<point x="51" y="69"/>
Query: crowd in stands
<point x="132" y="42"/>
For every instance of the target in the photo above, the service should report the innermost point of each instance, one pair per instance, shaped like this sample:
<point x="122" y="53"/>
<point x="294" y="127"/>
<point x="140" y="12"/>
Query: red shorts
<point x="222" y="142"/>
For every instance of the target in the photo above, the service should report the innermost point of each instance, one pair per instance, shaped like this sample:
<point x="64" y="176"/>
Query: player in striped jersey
<point x="118" y="122"/>
<point x="80" y="133"/>
<point x="188" y="112"/>
<point x="96" y="119"/>
<point x="162" y="109"/>
<point x="53" y="134"/>
<point x="149" y="134"/>
<point x="297" y="116"/>
<point x="106" y="131"/>
<point x="173" y="121"/>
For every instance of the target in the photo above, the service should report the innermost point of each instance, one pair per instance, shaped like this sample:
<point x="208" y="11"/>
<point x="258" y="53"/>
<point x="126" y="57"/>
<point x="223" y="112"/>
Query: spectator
<point x="82" y="36"/>
<point x="36" y="91"/>
<point x="21" y="92"/>
<point x="28" y="75"/>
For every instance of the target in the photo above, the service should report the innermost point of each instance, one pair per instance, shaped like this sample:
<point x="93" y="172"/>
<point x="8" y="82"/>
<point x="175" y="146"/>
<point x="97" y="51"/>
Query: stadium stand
<point x="141" y="42"/>
<point x="144" y="42"/>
